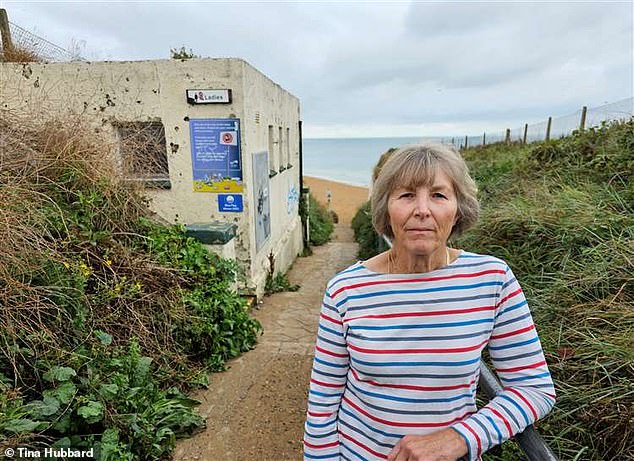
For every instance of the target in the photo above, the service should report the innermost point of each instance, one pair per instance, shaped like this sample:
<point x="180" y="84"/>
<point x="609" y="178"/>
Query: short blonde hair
<point x="416" y="165"/>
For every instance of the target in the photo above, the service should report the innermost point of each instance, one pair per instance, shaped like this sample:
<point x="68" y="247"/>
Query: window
<point x="280" y="149"/>
<point x="143" y="151"/>
<point x="288" y="148"/>
<point x="272" y="168"/>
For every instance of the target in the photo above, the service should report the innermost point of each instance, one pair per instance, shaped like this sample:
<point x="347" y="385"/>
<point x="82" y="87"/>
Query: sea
<point x="350" y="160"/>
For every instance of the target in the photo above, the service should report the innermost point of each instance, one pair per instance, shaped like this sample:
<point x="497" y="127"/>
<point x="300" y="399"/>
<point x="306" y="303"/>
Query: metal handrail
<point x="529" y="440"/>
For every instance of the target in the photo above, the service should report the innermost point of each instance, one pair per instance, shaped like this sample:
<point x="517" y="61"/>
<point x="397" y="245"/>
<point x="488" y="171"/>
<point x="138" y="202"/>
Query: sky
<point x="371" y="69"/>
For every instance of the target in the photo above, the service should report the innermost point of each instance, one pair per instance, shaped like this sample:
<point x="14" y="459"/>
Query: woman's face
<point x="422" y="219"/>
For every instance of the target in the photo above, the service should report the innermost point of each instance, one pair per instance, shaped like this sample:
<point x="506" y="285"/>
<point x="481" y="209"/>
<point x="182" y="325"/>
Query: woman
<point x="400" y="337"/>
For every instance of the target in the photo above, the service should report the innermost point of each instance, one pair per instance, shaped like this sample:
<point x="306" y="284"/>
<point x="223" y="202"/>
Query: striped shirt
<point x="400" y="354"/>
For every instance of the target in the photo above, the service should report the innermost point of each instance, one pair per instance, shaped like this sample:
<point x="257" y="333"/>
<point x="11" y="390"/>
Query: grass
<point x="561" y="214"/>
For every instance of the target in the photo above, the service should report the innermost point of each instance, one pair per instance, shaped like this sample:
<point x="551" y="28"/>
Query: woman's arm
<point x="528" y="391"/>
<point x="327" y="383"/>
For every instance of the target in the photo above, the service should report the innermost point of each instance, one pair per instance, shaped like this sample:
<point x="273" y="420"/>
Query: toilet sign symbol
<point x="228" y="138"/>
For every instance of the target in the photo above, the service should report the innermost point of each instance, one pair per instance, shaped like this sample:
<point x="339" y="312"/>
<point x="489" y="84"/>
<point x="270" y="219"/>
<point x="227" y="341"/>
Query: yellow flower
<point x="66" y="265"/>
<point x="108" y="262"/>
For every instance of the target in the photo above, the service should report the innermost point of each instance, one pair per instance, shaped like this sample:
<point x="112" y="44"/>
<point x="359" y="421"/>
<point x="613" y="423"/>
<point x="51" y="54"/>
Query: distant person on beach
<point x="401" y="335"/>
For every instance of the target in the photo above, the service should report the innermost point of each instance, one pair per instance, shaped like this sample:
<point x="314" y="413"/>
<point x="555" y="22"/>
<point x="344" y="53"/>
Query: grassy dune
<point x="561" y="214"/>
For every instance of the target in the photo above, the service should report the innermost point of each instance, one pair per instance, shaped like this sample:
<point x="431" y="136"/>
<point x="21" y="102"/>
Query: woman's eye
<point x="439" y="195"/>
<point x="406" y="195"/>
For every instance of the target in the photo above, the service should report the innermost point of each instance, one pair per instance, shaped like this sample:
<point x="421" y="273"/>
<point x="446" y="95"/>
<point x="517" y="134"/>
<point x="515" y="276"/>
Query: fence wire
<point x="559" y="127"/>
<point x="42" y="48"/>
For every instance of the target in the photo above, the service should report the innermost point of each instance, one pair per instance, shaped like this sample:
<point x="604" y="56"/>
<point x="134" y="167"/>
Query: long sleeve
<point x="327" y="383"/>
<point x="516" y="354"/>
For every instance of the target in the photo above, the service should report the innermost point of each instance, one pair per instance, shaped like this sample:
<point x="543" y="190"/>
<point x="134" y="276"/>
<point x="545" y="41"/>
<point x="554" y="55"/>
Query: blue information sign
<point x="215" y="147"/>
<point x="230" y="203"/>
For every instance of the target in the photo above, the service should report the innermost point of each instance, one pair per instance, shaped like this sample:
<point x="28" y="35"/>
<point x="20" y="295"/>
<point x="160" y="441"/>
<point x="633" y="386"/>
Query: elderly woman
<point x="401" y="335"/>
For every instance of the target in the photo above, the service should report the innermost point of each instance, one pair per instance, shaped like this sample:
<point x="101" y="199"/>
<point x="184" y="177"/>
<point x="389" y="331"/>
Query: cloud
<point x="360" y="66"/>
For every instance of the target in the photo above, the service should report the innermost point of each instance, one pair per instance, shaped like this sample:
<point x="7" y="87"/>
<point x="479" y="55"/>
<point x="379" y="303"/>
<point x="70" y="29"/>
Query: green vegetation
<point x="370" y="243"/>
<point x="107" y="316"/>
<point x="321" y="222"/>
<point x="182" y="53"/>
<point x="279" y="283"/>
<point x="561" y="213"/>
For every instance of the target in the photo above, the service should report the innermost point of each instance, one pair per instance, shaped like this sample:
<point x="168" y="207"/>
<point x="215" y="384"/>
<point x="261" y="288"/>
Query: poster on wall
<point x="261" y="199"/>
<point x="216" y="162"/>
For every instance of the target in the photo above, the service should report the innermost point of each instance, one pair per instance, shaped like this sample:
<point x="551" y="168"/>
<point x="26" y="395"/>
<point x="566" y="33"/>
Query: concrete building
<point x="215" y="141"/>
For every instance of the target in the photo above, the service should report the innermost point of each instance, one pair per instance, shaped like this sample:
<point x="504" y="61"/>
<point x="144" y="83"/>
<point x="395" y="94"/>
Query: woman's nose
<point x="422" y="206"/>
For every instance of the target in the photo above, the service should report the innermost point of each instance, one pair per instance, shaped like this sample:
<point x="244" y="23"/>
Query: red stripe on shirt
<point x="523" y="367"/>
<point x="509" y="296"/>
<point x="319" y="415"/>
<point x="322" y="446"/>
<point x="400" y="424"/>
<point x="330" y="319"/>
<point x="513" y="333"/>
<point x="427" y="279"/>
<point x="417" y="351"/>
<point x="412" y="386"/>
<point x="474" y="434"/>
<point x="321" y="383"/>
<point x="326" y="351"/>
<point x="366" y="448"/>
<point x="506" y="423"/>
<point x="516" y="392"/>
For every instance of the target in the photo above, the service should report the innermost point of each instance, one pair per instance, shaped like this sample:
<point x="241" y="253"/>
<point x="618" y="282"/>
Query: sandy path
<point x="255" y="410"/>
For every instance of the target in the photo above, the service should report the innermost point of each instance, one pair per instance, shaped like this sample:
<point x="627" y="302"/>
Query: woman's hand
<point x="445" y="445"/>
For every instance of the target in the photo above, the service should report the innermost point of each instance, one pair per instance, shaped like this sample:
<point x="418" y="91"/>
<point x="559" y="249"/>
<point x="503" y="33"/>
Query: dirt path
<point x="255" y="410"/>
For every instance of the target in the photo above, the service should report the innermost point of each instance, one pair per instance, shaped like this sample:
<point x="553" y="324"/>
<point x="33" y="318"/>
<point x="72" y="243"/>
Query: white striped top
<point x="399" y="354"/>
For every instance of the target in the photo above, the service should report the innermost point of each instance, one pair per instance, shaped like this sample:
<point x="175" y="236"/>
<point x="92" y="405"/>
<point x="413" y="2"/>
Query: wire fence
<point x="40" y="47"/>
<point x="552" y="128"/>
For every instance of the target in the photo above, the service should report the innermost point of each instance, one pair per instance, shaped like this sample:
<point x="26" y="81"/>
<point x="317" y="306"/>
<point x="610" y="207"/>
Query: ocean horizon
<point x="350" y="160"/>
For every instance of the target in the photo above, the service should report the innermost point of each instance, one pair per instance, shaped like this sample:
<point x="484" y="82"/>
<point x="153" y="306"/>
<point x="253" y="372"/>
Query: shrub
<point x="321" y="225"/>
<point x="107" y="317"/>
<point x="370" y="243"/>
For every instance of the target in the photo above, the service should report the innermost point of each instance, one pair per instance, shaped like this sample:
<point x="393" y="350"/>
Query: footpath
<point x="255" y="410"/>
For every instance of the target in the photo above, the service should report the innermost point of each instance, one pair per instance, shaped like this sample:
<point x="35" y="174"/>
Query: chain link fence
<point x="552" y="128"/>
<point x="37" y="46"/>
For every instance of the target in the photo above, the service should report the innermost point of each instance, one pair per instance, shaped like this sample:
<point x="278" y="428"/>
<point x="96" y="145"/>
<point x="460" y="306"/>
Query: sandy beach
<point x="345" y="200"/>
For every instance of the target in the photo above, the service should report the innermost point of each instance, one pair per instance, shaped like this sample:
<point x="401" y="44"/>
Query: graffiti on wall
<point x="261" y="198"/>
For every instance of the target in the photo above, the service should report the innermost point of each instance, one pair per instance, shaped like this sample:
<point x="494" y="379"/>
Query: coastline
<point x="346" y="198"/>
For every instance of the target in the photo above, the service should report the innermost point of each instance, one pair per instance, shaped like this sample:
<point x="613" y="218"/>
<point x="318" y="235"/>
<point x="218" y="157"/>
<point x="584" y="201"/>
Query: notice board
<point x="216" y="160"/>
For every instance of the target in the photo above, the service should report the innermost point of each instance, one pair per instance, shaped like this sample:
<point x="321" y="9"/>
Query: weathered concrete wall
<point x="108" y="93"/>
<point x="263" y="108"/>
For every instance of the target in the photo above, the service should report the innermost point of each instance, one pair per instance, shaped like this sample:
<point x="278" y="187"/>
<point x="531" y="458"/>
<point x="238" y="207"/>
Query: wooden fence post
<point x="550" y="122"/>
<point x="484" y="139"/>
<point x="507" y="138"/>
<point x="466" y="142"/>
<point x="582" y="124"/>
<point x="525" y="133"/>
<point x="5" y="30"/>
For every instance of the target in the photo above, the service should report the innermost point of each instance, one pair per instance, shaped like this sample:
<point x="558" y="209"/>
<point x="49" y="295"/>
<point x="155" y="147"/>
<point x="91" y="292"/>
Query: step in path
<point x="255" y="410"/>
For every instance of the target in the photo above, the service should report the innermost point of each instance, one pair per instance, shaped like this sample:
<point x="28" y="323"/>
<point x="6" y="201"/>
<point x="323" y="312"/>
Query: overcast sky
<point x="377" y="68"/>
